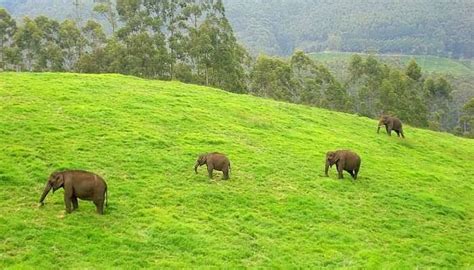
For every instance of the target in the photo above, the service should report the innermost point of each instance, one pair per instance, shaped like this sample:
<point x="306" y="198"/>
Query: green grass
<point x="429" y="64"/>
<point x="411" y="207"/>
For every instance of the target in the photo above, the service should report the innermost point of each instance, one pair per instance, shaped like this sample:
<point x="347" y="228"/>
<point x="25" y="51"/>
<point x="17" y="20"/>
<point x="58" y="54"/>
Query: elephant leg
<point x="356" y="171"/>
<point x="351" y="172"/>
<point x="339" y="172"/>
<point x="226" y="174"/>
<point x="209" y="170"/>
<point x="99" y="204"/>
<point x="75" y="205"/>
<point x="68" y="203"/>
<point x="68" y="196"/>
<point x="401" y="132"/>
<point x="389" y="131"/>
<point x="398" y="133"/>
<point x="340" y="168"/>
<point x="340" y="175"/>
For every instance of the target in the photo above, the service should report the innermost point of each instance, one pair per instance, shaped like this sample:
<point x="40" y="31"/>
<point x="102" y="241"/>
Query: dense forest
<point x="193" y="41"/>
<point x="279" y="27"/>
<point x="407" y="27"/>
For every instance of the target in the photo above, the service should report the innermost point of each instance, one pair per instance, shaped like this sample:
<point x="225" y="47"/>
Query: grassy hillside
<point x="412" y="205"/>
<point x="430" y="64"/>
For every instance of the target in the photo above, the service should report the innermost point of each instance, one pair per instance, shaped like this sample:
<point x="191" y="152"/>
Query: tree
<point x="315" y="85"/>
<point x="145" y="52"/>
<point x="71" y="43"/>
<point x="437" y="95"/>
<point x="49" y="54"/>
<point x="28" y="39"/>
<point x="94" y="35"/>
<point x="467" y="119"/>
<point x="93" y="58"/>
<point x="271" y="77"/>
<point x="7" y="31"/>
<point x="413" y="70"/>
<point x="107" y="9"/>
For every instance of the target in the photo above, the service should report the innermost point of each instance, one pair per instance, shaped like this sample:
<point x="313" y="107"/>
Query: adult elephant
<point x="214" y="161"/>
<point x="391" y="123"/>
<point x="78" y="184"/>
<point x="344" y="160"/>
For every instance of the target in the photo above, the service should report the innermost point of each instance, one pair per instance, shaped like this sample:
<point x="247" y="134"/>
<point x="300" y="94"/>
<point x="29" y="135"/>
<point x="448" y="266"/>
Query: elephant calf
<point x="391" y="123"/>
<point x="78" y="184"/>
<point x="214" y="161"/>
<point x="345" y="160"/>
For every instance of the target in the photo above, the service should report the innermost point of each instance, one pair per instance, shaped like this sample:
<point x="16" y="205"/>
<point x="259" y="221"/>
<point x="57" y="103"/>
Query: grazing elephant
<point x="214" y="161"/>
<point x="345" y="160"/>
<point x="78" y="184"/>
<point x="391" y="123"/>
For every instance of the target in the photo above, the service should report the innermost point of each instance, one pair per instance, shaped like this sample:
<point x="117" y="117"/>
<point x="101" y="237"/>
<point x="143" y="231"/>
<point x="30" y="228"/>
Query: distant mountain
<point x="429" y="27"/>
<point x="58" y="9"/>
<point x="434" y="27"/>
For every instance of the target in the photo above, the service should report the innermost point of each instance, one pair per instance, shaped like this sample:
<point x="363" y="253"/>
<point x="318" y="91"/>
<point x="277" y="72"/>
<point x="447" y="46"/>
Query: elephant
<point x="214" y="161"/>
<point x="391" y="123"/>
<point x="345" y="160"/>
<point x="78" y="184"/>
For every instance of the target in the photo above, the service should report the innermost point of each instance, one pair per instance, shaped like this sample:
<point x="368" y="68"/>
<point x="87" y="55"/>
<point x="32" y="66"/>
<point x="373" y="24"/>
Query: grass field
<point x="429" y="64"/>
<point x="412" y="206"/>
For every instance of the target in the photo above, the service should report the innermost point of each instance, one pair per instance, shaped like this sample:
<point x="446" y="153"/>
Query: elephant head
<point x="55" y="181"/>
<point x="331" y="159"/>
<point x="202" y="159"/>
<point x="383" y="121"/>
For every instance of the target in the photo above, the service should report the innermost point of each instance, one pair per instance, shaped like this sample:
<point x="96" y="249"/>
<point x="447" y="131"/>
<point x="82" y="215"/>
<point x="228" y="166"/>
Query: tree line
<point x="193" y="42"/>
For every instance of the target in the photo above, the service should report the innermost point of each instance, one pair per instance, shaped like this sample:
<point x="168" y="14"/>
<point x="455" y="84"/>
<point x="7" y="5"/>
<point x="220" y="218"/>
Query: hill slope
<point x="412" y="205"/>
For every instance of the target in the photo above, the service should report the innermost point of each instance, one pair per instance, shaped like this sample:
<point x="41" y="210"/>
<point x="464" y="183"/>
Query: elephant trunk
<point x="196" y="167"/>
<point x="378" y="129"/>
<point x="327" y="168"/>
<point x="47" y="188"/>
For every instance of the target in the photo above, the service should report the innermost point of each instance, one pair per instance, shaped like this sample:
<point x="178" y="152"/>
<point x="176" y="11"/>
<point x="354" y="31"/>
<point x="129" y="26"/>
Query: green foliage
<point x="155" y="38"/>
<point x="434" y="99"/>
<point x="413" y="70"/>
<point x="299" y="80"/>
<point x="467" y="119"/>
<point x="271" y="77"/>
<point x="7" y="29"/>
<point x="28" y="40"/>
<point x="410" y="208"/>
<point x="380" y="89"/>
<point x="107" y="9"/>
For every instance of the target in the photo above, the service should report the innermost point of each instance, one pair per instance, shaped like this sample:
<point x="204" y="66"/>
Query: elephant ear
<point x="202" y="159"/>
<point x="328" y="154"/>
<point x="58" y="181"/>
<point x="337" y="156"/>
